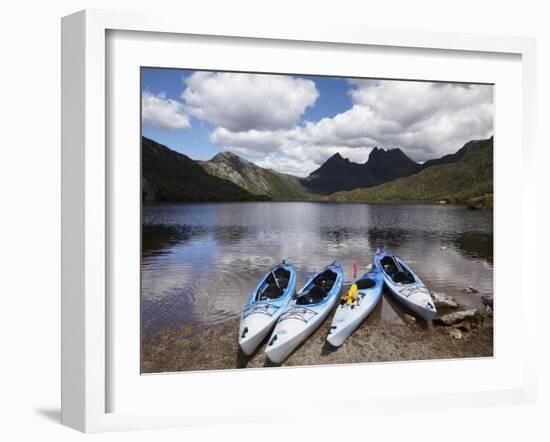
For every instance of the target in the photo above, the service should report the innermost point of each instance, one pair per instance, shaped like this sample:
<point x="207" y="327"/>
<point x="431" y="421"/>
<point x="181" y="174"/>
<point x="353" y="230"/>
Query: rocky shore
<point x="453" y="334"/>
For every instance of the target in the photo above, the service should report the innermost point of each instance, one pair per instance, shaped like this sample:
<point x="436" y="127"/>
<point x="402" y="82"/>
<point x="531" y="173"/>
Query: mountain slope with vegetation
<point x="169" y="176"/>
<point x="454" y="157"/>
<point x="255" y="179"/>
<point x="467" y="180"/>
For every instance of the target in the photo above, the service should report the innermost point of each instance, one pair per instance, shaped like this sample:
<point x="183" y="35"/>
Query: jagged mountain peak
<point x="389" y="158"/>
<point x="337" y="158"/>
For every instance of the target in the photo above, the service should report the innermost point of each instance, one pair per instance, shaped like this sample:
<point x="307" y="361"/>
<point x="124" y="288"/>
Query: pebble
<point x="409" y="318"/>
<point x="455" y="333"/>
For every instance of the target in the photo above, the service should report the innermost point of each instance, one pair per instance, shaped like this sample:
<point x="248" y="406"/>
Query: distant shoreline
<point x="326" y="201"/>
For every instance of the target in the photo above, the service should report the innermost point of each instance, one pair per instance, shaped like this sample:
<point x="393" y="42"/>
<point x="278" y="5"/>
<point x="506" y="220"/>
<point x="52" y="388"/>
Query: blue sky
<point x="294" y="123"/>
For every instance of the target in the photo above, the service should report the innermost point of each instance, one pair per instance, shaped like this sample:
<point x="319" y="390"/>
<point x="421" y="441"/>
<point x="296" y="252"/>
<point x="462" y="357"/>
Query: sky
<point x="294" y="123"/>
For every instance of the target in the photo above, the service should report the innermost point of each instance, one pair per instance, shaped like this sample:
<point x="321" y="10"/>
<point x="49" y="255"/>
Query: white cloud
<point x="256" y="141"/>
<point x="245" y="102"/>
<point x="163" y="113"/>
<point x="426" y="120"/>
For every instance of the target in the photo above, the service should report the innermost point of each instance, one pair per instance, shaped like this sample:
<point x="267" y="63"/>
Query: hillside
<point x="453" y="157"/>
<point x="169" y="176"/>
<point x="255" y="179"/>
<point x="339" y="173"/>
<point x="467" y="180"/>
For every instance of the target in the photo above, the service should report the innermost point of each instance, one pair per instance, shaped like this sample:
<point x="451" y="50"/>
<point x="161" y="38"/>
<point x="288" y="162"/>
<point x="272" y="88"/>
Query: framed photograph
<point x="255" y="211"/>
<point x="240" y="169"/>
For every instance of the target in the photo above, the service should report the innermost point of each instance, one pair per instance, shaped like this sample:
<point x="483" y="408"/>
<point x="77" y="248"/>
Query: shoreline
<point x="216" y="348"/>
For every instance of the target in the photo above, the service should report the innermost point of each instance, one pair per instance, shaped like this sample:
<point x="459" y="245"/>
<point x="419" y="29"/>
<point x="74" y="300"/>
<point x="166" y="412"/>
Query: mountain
<point x="387" y="165"/>
<point x="466" y="180"/>
<point x="254" y="179"/>
<point x="339" y="173"/>
<point x="169" y="176"/>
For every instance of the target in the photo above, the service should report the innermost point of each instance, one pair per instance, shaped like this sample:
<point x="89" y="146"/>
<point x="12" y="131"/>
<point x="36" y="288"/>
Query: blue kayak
<point x="306" y="312"/>
<point x="355" y="306"/>
<point x="405" y="285"/>
<point x="265" y="305"/>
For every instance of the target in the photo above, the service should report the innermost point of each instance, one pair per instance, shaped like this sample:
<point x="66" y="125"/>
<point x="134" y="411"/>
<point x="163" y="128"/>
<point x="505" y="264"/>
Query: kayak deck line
<point x="264" y="308"/>
<point x="299" y="313"/>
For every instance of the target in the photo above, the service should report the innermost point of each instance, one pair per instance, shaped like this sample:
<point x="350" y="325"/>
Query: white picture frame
<point x="86" y="204"/>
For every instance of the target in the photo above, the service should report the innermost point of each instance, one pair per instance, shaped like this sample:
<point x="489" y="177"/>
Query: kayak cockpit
<point x="396" y="271"/>
<point x="274" y="285"/>
<point x="365" y="283"/>
<point x="318" y="289"/>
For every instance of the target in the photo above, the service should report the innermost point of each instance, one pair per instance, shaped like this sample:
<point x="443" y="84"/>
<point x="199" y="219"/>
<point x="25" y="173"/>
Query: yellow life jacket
<point x="351" y="296"/>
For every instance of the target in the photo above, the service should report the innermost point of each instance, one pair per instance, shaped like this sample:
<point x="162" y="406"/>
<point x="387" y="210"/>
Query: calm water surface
<point x="201" y="261"/>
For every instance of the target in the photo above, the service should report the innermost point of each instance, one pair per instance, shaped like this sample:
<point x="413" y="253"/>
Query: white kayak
<point x="405" y="285"/>
<point x="265" y="305"/>
<point x="355" y="306"/>
<point x="305" y="312"/>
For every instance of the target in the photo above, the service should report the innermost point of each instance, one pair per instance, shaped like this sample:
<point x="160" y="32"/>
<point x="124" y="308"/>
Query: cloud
<point x="426" y="120"/>
<point x="163" y="113"/>
<point x="245" y="102"/>
<point x="255" y="141"/>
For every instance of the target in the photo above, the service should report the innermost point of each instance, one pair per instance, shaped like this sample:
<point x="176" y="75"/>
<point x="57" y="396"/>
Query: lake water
<point x="201" y="261"/>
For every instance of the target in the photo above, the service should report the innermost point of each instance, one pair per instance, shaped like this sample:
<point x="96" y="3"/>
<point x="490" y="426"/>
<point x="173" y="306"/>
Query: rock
<point x="443" y="248"/>
<point x="455" y="333"/>
<point x="453" y="318"/>
<point x="443" y="300"/>
<point x="409" y="318"/>
<point x="470" y="289"/>
<point x="463" y="326"/>
<point x="487" y="300"/>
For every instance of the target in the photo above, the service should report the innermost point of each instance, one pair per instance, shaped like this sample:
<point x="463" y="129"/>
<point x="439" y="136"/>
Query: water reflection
<point x="200" y="261"/>
<point x="475" y="245"/>
<point x="159" y="238"/>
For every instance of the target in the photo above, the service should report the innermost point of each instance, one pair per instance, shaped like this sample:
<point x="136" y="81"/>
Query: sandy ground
<point x="216" y="348"/>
